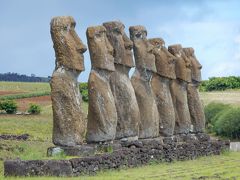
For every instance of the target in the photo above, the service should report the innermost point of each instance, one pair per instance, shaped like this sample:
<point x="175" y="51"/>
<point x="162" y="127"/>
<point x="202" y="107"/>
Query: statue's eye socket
<point x="73" y="24"/>
<point x="117" y="31"/>
<point x="98" y="35"/>
<point x="138" y="35"/>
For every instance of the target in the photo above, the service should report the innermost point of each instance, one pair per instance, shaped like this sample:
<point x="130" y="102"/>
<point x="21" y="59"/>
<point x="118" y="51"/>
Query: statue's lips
<point x="81" y="55"/>
<point x="150" y="57"/>
<point x="128" y="52"/>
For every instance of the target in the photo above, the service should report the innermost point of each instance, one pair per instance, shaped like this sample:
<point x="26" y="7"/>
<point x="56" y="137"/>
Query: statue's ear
<point x="90" y="32"/>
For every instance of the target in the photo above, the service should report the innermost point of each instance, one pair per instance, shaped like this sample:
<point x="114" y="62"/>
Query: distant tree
<point x="22" y="78"/>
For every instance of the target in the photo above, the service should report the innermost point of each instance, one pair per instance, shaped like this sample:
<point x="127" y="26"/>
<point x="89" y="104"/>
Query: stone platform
<point x="118" y="155"/>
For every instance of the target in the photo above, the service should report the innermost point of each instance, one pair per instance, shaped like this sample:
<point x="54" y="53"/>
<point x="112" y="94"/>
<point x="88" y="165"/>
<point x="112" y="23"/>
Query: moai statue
<point x="165" y="64"/>
<point x="69" y="122"/>
<point x="102" y="114"/>
<point x="179" y="90"/>
<point x="194" y="102"/>
<point x="122" y="89"/>
<point x="141" y="81"/>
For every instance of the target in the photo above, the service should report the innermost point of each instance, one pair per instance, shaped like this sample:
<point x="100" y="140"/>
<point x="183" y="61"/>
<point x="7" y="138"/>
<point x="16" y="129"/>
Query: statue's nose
<point x="82" y="49"/>
<point x="150" y="47"/>
<point x="128" y="43"/>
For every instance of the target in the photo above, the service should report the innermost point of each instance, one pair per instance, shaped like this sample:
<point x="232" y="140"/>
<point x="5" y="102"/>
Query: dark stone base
<point x="84" y="150"/>
<point x="22" y="137"/>
<point x="106" y="147"/>
<point x="131" y="154"/>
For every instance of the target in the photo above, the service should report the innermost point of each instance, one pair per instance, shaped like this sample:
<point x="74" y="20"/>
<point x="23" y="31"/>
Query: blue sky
<point x="211" y="27"/>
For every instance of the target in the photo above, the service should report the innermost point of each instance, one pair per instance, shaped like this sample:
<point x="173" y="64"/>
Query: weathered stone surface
<point x="161" y="86"/>
<point x="202" y="137"/>
<point x="141" y="81"/>
<point x="178" y="89"/>
<point x="182" y="64"/>
<point x="182" y="116"/>
<point x="195" y="65"/>
<point x="143" y="50"/>
<point x="161" y="89"/>
<point x="84" y="149"/>
<point x="68" y="47"/>
<point x="149" y="117"/>
<point x="130" y="155"/>
<point x="194" y="102"/>
<point x="68" y="118"/>
<point x="164" y="60"/>
<point x="122" y="89"/>
<point x="235" y="146"/>
<point x="38" y="168"/>
<point x="101" y="51"/>
<point x="22" y="137"/>
<point x="128" y="114"/>
<point x="79" y="150"/>
<point x="122" y="45"/>
<point x="195" y="108"/>
<point x="102" y="114"/>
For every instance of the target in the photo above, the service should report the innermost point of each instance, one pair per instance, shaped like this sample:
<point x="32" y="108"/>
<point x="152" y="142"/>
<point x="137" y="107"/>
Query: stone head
<point x="164" y="60"/>
<point x="101" y="51"/>
<point x="143" y="50"/>
<point x="182" y="64"/>
<point x="68" y="46"/>
<point x="195" y="64"/>
<point x="122" y="45"/>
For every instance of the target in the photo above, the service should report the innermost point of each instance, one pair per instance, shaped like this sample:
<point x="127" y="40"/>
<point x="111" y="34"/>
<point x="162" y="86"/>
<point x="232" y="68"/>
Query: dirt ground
<point x="4" y="93"/>
<point x="24" y="103"/>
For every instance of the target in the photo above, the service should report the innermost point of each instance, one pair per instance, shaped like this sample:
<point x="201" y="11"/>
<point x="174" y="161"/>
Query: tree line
<point x="10" y="76"/>
<point x="220" y="83"/>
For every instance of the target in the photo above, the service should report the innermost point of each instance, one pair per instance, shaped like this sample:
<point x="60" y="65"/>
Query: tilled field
<point x="24" y="103"/>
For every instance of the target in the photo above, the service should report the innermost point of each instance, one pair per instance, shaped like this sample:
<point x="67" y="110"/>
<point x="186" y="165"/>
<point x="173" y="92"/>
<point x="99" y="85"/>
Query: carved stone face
<point x="164" y="60"/>
<point x="68" y="46"/>
<point x="196" y="66"/>
<point x="101" y="51"/>
<point x="182" y="65"/>
<point x="121" y="44"/>
<point x="143" y="50"/>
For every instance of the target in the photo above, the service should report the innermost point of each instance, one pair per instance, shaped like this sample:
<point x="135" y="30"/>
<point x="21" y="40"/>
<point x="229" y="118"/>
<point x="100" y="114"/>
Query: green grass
<point x="26" y="89"/>
<point x="24" y="86"/>
<point x="39" y="127"/>
<point x="211" y="167"/>
<point x="25" y="95"/>
<point x="227" y="97"/>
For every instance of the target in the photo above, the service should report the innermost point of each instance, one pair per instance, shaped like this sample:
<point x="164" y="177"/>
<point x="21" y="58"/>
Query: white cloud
<point x="212" y="41"/>
<point x="237" y="51"/>
<point x="225" y="69"/>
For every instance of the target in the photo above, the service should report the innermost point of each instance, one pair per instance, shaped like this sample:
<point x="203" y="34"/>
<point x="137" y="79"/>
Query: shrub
<point x="212" y="112"/>
<point x="228" y="124"/>
<point x="85" y="96"/>
<point x="9" y="106"/>
<point x="34" y="109"/>
<point x="84" y="91"/>
<point x="21" y="96"/>
<point x="220" y="83"/>
<point x="202" y="86"/>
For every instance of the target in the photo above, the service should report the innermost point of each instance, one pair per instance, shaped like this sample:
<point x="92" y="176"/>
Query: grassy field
<point x="18" y="90"/>
<point x="24" y="86"/>
<point x="39" y="127"/>
<point x="227" y="97"/>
